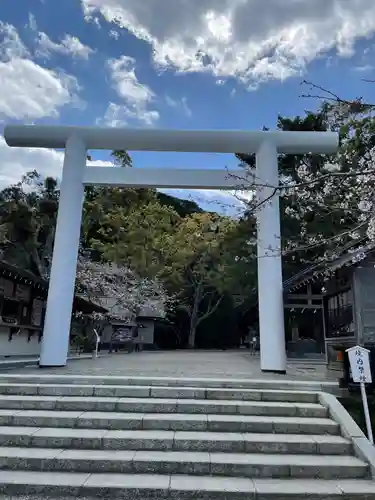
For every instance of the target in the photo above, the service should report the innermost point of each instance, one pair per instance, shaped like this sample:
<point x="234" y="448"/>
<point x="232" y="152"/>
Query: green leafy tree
<point x="130" y="228"/>
<point x="157" y="242"/>
<point x="28" y="212"/>
<point x="156" y="236"/>
<point x="195" y="266"/>
<point x="122" y="158"/>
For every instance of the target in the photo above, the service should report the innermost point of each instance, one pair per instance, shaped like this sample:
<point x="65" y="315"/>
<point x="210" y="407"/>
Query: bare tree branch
<point x="210" y="310"/>
<point x="355" y="106"/>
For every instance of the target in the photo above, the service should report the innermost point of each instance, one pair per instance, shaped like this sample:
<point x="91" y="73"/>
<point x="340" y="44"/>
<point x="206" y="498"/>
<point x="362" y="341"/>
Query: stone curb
<point x="9" y="364"/>
<point x="348" y="426"/>
<point x="362" y="447"/>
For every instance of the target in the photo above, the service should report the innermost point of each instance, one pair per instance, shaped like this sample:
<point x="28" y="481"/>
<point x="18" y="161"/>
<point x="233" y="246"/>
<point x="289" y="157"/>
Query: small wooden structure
<point x="143" y="331"/>
<point x="22" y="307"/>
<point x="340" y="294"/>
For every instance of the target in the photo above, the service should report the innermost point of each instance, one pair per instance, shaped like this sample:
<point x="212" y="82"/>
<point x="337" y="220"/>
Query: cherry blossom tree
<point x="327" y="202"/>
<point x="119" y="290"/>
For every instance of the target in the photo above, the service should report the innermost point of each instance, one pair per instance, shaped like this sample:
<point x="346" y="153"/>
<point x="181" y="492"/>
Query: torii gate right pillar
<point x="270" y="282"/>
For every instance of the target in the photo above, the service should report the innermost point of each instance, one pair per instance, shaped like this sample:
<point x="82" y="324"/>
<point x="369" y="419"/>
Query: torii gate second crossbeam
<point x="77" y="140"/>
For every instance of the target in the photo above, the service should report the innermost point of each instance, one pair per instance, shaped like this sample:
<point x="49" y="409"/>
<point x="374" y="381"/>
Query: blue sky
<point x="189" y="64"/>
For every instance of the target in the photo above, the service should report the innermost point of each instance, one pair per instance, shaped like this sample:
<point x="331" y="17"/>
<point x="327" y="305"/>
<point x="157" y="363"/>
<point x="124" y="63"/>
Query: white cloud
<point x="15" y="162"/>
<point x="136" y="97"/>
<point x="11" y="45"/>
<point x="125" y="81"/>
<point x="171" y="102"/>
<point x="186" y="107"/>
<point x="182" y="104"/>
<point x="251" y="40"/>
<point x="118" y="115"/>
<point x="364" y="68"/>
<point x="99" y="163"/>
<point x="225" y="202"/>
<point x="69" y="45"/>
<point x="75" y="47"/>
<point x="29" y="91"/>
<point x="114" y="34"/>
<point x="32" y="24"/>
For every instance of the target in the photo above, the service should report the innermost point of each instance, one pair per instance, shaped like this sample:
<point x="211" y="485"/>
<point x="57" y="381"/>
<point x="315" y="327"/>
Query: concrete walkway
<point x="203" y="364"/>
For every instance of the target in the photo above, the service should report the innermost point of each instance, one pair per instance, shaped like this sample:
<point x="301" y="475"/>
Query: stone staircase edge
<point x="111" y="485"/>
<point x="362" y="447"/>
<point x="180" y="381"/>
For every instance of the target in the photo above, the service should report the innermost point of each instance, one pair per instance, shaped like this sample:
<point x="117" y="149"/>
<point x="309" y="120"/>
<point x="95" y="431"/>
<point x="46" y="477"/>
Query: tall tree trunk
<point x="37" y="261"/>
<point x="192" y="331"/>
<point x="46" y="259"/>
<point x="194" y="315"/>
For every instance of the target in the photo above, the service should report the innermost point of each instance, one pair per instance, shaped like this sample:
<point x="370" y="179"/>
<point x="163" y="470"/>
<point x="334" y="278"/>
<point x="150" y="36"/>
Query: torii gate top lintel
<point x="201" y="141"/>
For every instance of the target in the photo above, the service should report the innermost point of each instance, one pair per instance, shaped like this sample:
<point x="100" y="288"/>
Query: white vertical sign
<point x="361" y="372"/>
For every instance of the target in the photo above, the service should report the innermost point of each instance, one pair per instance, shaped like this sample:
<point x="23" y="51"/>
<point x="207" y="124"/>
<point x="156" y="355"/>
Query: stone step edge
<point x="196" y="457"/>
<point x="97" y="485"/>
<point x="76" y="415"/>
<point x="171" y="440"/>
<point x="189" y="463"/>
<point x="213" y="394"/>
<point x="155" y="400"/>
<point x="182" y="405"/>
<point x="169" y="381"/>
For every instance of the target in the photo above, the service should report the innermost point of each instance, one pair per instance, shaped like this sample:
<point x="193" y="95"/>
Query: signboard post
<point x="361" y="372"/>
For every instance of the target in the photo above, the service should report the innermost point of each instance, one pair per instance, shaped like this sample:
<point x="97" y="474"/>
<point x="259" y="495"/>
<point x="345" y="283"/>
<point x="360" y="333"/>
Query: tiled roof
<point x="347" y="258"/>
<point x="15" y="273"/>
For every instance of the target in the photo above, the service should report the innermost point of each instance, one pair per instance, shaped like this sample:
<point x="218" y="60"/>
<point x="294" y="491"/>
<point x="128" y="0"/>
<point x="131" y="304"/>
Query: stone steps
<point x="156" y="405"/>
<point x="73" y="485"/>
<point x="251" y="465"/>
<point x="165" y="392"/>
<point x="94" y="439"/>
<point x="169" y="382"/>
<point x="168" y="421"/>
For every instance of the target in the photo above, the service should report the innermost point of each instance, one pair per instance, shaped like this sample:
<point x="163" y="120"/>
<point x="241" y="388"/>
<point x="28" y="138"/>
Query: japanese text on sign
<point x="360" y="364"/>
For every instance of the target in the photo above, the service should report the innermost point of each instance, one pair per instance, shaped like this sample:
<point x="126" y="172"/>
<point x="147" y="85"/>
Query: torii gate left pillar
<point x="77" y="140"/>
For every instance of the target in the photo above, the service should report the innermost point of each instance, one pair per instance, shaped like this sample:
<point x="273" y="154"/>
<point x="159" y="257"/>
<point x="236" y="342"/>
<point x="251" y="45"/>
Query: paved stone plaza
<point x="219" y="364"/>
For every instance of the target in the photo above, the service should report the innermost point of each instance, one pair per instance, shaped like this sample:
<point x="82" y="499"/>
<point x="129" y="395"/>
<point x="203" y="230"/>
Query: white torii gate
<point x="77" y="140"/>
